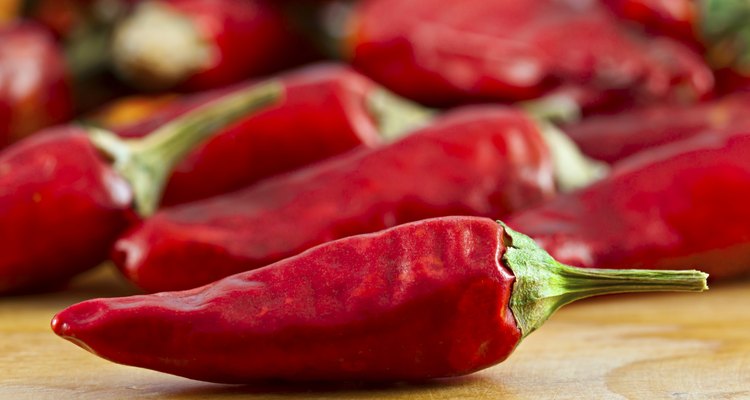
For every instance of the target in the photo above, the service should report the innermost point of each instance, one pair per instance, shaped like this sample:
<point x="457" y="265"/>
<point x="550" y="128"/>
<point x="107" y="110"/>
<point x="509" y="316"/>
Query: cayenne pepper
<point x="718" y="28"/>
<point x="439" y="52"/>
<point x="613" y="137"/>
<point x="327" y="109"/>
<point x="482" y="160"/>
<point x="430" y="299"/>
<point x="63" y="202"/>
<point x="203" y="44"/>
<point x="34" y="83"/>
<point x="669" y="207"/>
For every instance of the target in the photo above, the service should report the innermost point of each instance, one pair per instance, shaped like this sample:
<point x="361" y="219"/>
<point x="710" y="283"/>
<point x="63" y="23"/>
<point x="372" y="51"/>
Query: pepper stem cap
<point x="543" y="285"/>
<point x="147" y="162"/>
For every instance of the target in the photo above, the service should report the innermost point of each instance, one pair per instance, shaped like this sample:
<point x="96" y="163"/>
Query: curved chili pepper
<point x="478" y="161"/>
<point x="441" y="52"/>
<point x="669" y="207"/>
<point x="34" y="86"/>
<point x="614" y="137"/>
<point x="327" y="109"/>
<point x="63" y="203"/>
<point x="436" y="298"/>
<point x="202" y="44"/>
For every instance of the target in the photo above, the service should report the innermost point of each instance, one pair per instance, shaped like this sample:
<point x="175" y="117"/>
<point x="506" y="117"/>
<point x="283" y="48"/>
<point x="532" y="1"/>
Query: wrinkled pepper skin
<point x="613" y="137"/>
<point x="61" y="208"/>
<point x="484" y="161"/>
<point x="440" y="52"/>
<point x="34" y="84"/>
<point x="422" y="300"/>
<point x="679" y="205"/>
<point x="221" y="42"/>
<point x="324" y="112"/>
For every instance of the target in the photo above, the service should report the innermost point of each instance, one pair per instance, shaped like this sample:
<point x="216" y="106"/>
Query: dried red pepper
<point x="34" y="82"/>
<point x="430" y="299"/>
<point x="440" y="52"/>
<point x="477" y="161"/>
<point x="327" y="109"/>
<point x="719" y="28"/>
<point x="202" y="44"/>
<point x="63" y="203"/>
<point x="613" y="137"/>
<point x="669" y="207"/>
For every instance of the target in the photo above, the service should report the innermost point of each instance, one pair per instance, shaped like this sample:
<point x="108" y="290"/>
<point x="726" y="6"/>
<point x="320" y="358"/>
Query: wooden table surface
<point x="660" y="346"/>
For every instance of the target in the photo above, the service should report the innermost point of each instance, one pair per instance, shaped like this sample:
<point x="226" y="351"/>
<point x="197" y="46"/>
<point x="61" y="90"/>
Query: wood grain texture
<point x="660" y="346"/>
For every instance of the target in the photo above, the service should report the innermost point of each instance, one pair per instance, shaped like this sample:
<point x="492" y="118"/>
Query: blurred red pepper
<point x="68" y="192"/>
<point x="84" y="30"/>
<point x="670" y="207"/>
<point x="675" y="18"/>
<point x="613" y="137"/>
<point x="436" y="298"/>
<point x="34" y="86"/>
<point x="719" y="28"/>
<point x="327" y="109"/>
<point x="440" y="52"/>
<point x="202" y="44"/>
<point x="485" y="161"/>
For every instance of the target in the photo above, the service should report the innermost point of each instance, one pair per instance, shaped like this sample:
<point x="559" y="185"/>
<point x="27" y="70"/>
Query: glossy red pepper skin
<point x="61" y="207"/>
<point x="485" y="161"/>
<point x="678" y="205"/>
<point x="241" y="39"/>
<point x="325" y="111"/>
<point x="613" y="137"/>
<point x="423" y="300"/>
<point x="440" y="52"/>
<point x="34" y="83"/>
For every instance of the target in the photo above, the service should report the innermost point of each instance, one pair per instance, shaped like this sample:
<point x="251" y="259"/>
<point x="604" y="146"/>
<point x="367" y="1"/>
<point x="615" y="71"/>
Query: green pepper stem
<point x="555" y="108"/>
<point x="724" y="30"/>
<point x="543" y="285"/>
<point x="147" y="162"/>
<point x="396" y="116"/>
<point x="572" y="169"/>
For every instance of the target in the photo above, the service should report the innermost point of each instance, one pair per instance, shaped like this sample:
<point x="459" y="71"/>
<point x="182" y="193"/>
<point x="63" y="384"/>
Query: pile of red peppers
<point x="382" y="190"/>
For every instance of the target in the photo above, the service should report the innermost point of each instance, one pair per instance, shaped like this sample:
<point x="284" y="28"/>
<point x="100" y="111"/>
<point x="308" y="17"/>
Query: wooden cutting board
<point x="660" y="346"/>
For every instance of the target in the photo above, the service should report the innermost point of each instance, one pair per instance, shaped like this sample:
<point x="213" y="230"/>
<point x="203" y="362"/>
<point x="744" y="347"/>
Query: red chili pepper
<point x="717" y="27"/>
<point x="440" y="52"/>
<point x="327" y="109"/>
<point x="430" y="299"/>
<point x="674" y="18"/>
<point x="613" y="137"/>
<point x="479" y="161"/>
<point x="34" y="87"/>
<point x="201" y="44"/>
<point x="63" y="203"/>
<point x="669" y="207"/>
